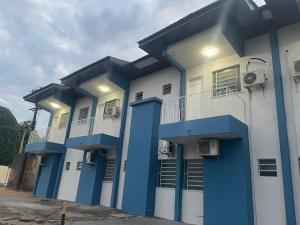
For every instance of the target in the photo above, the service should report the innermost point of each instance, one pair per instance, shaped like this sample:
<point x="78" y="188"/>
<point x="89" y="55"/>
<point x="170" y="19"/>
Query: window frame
<point x="137" y="96"/>
<point x="267" y="164"/>
<point x="216" y="89"/>
<point x="67" y="166"/>
<point x="168" y="88"/>
<point x="161" y="183"/>
<point x="63" y="125"/>
<point x="87" y="113"/>
<point x="191" y="170"/>
<point x="79" y="165"/>
<point x="110" y="171"/>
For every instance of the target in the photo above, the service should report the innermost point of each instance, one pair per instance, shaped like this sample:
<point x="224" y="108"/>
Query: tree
<point x="10" y="136"/>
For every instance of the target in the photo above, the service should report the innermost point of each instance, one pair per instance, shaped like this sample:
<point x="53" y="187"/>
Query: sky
<point x="42" y="41"/>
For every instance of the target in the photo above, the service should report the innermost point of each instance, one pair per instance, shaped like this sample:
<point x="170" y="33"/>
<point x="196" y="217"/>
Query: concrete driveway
<point x="18" y="208"/>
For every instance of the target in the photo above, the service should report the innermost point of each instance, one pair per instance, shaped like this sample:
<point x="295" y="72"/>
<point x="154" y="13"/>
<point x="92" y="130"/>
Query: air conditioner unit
<point x="91" y="157"/>
<point x="41" y="160"/>
<point x="296" y="69"/>
<point x="168" y="148"/>
<point x="112" y="109"/>
<point x="209" y="147"/>
<point x="256" y="78"/>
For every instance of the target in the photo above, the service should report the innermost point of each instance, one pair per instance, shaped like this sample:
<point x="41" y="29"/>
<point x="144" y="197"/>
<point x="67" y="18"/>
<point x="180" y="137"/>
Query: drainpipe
<point x="282" y="130"/>
<point x="180" y="148"/>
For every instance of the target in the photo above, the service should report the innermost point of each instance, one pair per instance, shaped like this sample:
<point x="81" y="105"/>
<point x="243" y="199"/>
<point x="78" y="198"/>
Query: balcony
<point x="208" y="114"/>
<point x="93" y="133"/>
<point x="46" y="140"/>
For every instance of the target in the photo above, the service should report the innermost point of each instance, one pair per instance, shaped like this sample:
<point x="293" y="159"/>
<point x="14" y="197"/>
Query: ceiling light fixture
<point x="210" y="51"/>
<point x="260" y="3"/>
<point x="55" y="105"/>
<point x="104" y="89"/>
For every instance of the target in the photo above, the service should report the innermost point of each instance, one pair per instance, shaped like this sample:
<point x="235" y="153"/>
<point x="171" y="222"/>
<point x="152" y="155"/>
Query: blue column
<point x="47" y="176"/>
<point x="179" y="183"/>
<point x="141" y="172"/>
<point x="227" y="185"/>
<point x="282" y="130"/>
<point x="90" y="181"/>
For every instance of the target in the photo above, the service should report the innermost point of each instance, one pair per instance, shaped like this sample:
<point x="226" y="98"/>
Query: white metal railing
<point x="94" y="125"/>
<point x="53" y="134"/>
<point x="203" y="105"/>
<point x="40" y="135"/>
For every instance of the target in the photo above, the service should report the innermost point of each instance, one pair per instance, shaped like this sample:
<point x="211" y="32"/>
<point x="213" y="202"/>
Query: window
<point x="67" y="166"/>
<point x="125" y="165"/>
<point x="167" y="173"/>
<point x="111" y="109"/>
<point x="193" y="174"/>
<point x="79" y="166"/>
<point x="226" y="80"/>
<point x="139" y="96"/>
<point x="299" y="164"/>
<point x="63" y="120"/>
<point x="167" y="89"/>
<point x="267" y="167"/>
<point x="83" y="114"/>
<point x="110" y="170"/>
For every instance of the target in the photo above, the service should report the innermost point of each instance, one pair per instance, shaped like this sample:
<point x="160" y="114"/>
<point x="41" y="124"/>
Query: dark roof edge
<point x="110" y="59"/>
<point x="42" y="89"/>
<point x="183" y="21"/>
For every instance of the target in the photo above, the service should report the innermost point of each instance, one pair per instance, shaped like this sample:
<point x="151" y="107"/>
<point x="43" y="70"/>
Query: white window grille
<point x="139" y="96"/>
<point x="226" y="79"/>
<point x="67" y="166"/>
<point x="112" y="109"/>
<point x="167" y="173"/>
<point x="83" y="115"/>
<point x="193" y="174"/>
<point x="79" y="166"/>
<point x="267" y="167"/>
<point x="63" y="120"/>
<point x="167" y="88"/>
<point x="110" y="170"/>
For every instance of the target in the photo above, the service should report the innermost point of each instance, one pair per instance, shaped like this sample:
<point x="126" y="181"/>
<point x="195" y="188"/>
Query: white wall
<point x="106" y="193"/>
<point x="289" y="43"/>
<point x="151" y="85"/>
<point x="57" y="134"/>
<point x="164" y="203"/>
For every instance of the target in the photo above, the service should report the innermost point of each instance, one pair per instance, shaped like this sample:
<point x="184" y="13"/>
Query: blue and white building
<point x="204" y="129"/>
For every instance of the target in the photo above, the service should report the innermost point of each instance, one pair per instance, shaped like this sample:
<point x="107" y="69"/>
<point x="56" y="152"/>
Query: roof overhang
<point x="239" y="23"/>
<point x="95" y="69"/>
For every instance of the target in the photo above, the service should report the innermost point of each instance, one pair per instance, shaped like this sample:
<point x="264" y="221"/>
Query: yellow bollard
<point x="63" y="214"/>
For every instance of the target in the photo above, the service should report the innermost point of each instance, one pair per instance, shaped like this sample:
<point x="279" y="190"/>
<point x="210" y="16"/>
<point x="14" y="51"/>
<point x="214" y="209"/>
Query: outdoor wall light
<point x="210" y="51"/>
<point x="55" y="105"/>
<point x="104" y="89"/>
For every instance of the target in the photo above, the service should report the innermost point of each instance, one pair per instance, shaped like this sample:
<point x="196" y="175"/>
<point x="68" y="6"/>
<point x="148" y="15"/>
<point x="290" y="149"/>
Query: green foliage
<point x="10" y="135"/>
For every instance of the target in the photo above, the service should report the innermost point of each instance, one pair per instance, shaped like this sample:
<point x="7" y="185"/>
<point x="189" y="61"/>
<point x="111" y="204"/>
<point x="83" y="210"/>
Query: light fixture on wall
<point x="55" y="105"/>
<point x="104" y="88"/>
<point x="210" y="51"/>
<point x="260" y="3"/>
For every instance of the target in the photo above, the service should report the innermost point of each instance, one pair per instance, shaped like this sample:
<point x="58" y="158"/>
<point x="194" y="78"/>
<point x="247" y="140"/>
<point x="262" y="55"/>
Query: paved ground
<point x="18" y="208"/>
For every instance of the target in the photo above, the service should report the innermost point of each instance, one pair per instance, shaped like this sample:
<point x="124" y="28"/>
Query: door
<point x="195" y="99"/>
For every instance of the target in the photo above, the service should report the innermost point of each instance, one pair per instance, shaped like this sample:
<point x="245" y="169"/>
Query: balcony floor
<point x="45" y="147"/>
<point x="219" y="127"/>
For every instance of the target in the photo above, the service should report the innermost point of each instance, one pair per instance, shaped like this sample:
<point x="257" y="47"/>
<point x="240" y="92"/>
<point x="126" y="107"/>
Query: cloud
<point x="44" y="40"/>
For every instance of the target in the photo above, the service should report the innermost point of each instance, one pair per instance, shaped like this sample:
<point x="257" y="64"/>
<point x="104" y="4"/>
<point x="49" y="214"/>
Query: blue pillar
<point x="227" y="185"/>
<point x="141" y="172"/>
<point x="282" y="130"/>
<point x="47" y="176"/>
<point x="179" y="183"/>
<point x="90" y="181"/>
